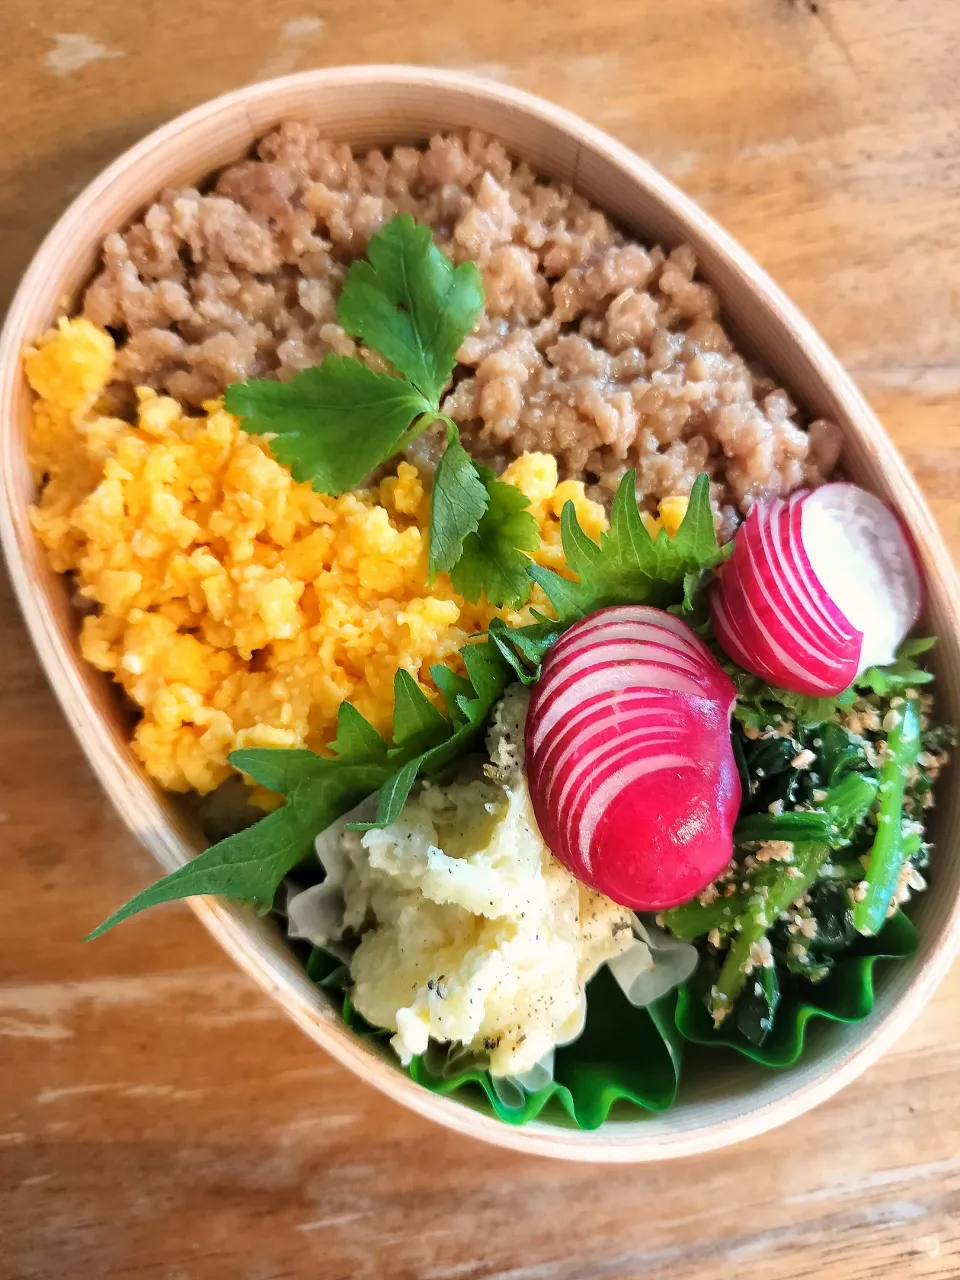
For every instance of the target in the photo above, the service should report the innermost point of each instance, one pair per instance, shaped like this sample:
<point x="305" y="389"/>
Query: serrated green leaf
<point x="493" y="563"/>
<point x="319" y="789"/>
<point x="411" y="303"/>
<point x="250" y="865"/>
<point x="488" y="675"/>
<point x="393" y="796"/>
<point x="357" y="739"/>
<point x="453" y="687"/>
<point x="278" y="771"/>
<point x="417" y="724"/>
<point x="331" y="425"/>
<point x="628" y="566"/>
<point x="457" y="503"/>
<point x="524" y="648"/>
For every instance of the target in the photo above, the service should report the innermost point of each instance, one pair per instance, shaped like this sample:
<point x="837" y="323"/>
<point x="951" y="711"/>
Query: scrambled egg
<point x="478" y="935"/>
<point x="235" y="606"/>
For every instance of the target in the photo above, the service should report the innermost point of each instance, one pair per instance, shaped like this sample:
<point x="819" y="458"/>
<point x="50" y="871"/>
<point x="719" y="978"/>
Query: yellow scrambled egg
<point x="235" y="606"/>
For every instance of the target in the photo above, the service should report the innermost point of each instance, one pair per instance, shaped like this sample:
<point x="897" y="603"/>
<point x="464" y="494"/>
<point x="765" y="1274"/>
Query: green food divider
<point x="634" y="1056"/>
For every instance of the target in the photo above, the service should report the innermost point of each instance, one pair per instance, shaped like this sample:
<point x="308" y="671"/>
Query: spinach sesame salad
<point x="673" y="793"/>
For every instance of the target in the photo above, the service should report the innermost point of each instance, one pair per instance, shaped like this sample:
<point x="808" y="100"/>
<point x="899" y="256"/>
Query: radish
<point x="818" y="589"/>
<point x="629" y="760"/>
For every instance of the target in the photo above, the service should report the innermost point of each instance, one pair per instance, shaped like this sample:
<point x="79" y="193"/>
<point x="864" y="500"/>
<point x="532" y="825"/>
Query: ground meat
<point x="601" y="351"/>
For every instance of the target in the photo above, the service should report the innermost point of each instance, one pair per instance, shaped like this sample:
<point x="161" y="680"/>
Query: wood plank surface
<point x="159" y="1119"/>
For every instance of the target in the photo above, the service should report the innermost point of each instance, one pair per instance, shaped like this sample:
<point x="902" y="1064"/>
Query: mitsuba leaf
<point x="409" y="302"/>
<point x="492" y="562"/>
<point x="457" y="504"/>
<point x="331" y="425"/>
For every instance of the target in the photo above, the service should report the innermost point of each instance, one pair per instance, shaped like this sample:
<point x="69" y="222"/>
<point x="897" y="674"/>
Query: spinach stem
<point x="767" y="903"/>
<point x="778" y="885"/>
<point x="889" y="850"/>
<point x="844" y="808"/>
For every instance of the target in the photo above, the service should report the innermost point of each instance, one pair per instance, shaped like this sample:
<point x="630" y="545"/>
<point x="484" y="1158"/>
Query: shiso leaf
<point x="628" y="566"/>
<point x="250" y="865"/>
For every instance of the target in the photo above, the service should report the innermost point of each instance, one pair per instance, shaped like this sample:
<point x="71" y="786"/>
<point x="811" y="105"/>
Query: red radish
<point x="818" y="589"/>
<point x="629" y="759"/>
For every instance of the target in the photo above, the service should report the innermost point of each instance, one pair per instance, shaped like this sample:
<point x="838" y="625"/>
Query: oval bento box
<point x="376" y="106"/>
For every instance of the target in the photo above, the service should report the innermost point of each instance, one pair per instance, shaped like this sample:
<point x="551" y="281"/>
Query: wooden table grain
<point x="159" y="1119"/>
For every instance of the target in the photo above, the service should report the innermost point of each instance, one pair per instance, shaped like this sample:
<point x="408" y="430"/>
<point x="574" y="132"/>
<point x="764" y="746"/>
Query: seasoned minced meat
<point x="604" y="352"/>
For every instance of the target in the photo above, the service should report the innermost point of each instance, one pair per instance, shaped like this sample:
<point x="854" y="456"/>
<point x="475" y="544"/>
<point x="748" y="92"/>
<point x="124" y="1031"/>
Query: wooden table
<point x="158" y="1118"/>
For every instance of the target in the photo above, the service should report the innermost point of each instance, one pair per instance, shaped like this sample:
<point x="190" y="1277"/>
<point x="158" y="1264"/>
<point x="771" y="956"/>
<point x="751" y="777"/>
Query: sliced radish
<point x="629" y="760"/>
<point x="598" y="716"/>
<point x="596" y="680"/>
<point x="818" y="589"/>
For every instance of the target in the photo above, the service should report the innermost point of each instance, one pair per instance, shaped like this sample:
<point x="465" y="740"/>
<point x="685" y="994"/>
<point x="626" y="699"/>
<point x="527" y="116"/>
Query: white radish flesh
<point x="859" y="553"/>
<point x="817" y="589"/>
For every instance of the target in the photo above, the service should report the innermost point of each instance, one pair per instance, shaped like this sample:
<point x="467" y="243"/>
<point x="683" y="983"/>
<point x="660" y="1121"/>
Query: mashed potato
<point x="471" y="932"/>
<point x="235" y="606"/>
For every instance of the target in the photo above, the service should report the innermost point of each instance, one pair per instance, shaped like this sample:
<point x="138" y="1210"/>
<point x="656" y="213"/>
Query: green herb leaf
<point x="417" y="724"/>
<point x="331" y="425"/>
<point x="493" y="562"/>
<point x="412" y="304"/>
<point x="319" y="789"/>
<point x="334" y="424"/>
<point x="357" y="740"/>
<point x="524" y="647"/>
<point x="454" y="689"/>
<point x="912" y="648"/>
<point x="457" y="504"/>
<point x="760" y="705"/>
<point x="629" y="566"/>
<point x="279" y="771"/>
<point x="488" y="677"/>
<point x="251" y="864"/>
<point x="902" y="673"/>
